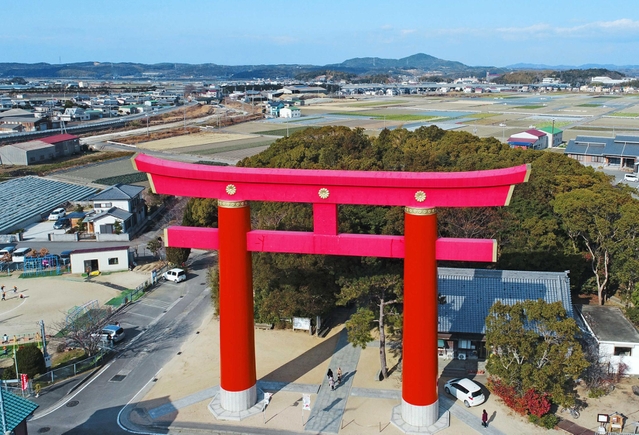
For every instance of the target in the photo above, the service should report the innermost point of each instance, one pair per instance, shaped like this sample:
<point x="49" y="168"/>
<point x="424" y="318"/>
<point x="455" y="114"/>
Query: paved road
<point x="156" y="327"/>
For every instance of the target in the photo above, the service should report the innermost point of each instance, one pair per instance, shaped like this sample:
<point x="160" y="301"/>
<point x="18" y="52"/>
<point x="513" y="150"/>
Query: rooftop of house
<point x="120" y="192"/>
<point x="609" y="324"/>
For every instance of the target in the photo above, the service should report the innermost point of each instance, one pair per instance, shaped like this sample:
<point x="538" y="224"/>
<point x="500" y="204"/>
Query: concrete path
<point x="328" y="409"/>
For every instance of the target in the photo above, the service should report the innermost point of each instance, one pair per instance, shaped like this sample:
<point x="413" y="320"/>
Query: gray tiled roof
<point x="118" y="192"/>
<point x="16" y="409"/>
<point x="470" y="293"/>
<point x="113" y="211"/>
<point x="609" y="324"/>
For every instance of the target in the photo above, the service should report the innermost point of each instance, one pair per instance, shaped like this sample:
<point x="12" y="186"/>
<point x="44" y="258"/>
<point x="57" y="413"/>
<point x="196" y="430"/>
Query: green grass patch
<point x="134" y="177"/>
<point x="624" y="114"/>
<point x="263" y="143"/>
<point x="589" y="105"/>
<point x="211" y="163"/>
<point x="129" y="295"/>
<point x="558" y="124"/>
<point x="529" y="107"/>
<point x="394" y="117"/>
<point x="281" y="131"/>
<point x="377" y="103"/>
<point x="482" y="115"/>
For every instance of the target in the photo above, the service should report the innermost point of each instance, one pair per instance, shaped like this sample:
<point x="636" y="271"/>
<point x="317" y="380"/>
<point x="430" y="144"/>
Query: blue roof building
<point x="621" y="151"/>
<point x="466" y="296"/>
<point x="16" y="411"/>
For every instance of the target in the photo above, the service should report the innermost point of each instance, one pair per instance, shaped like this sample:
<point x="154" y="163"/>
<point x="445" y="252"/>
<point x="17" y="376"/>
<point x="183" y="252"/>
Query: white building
<point x="290" y="112"/>
<point x="618" y="339"/>
<point x="121" y="203"/>
<point x="111" y="259"/>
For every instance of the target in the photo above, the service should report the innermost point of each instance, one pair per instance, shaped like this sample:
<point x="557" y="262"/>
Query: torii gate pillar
<point x="238" y="386"/>
<point x="419" y="359"/>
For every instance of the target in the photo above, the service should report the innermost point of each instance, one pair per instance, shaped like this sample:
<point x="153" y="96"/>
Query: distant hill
<point x="417" y="65"/>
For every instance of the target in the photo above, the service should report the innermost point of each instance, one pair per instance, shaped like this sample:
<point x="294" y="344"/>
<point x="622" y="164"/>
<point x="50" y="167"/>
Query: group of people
<point x="4" y="293"/>
<point x="334" y="382"/>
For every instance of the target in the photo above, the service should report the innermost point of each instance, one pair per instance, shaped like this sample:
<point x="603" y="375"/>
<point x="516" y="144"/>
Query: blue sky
<point x="237" y="32"/>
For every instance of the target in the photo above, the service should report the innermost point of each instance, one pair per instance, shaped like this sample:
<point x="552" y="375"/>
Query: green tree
<point x="377" y="297"/>
<point x="177" y="256"/>
<point x="154" y="246"/>
<point x="592" y="219"/>
<point x="533" y="345"/>
<point x="30" y="361"/>
<point x="117" y="227"/>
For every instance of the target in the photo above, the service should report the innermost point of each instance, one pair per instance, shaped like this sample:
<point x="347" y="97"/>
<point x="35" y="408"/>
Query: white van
<point x="19" y="254"/>
<point x="631" y="177"/>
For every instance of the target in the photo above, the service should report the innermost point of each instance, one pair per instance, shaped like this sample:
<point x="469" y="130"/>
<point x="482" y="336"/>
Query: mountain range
<point x="415" y="65"/>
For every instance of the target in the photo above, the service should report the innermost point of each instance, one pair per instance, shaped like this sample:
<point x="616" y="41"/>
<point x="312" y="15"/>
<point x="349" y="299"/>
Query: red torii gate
<point x="419" y="192"/>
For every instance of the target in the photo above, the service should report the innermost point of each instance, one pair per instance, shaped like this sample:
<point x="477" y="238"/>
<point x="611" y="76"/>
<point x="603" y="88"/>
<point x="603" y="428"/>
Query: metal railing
<point x="70" y="370"/>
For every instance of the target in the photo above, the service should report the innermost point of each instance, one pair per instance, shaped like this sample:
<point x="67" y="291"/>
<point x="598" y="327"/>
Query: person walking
<point x="339" y="375"/>
<point x="15" y="289"/>
<point x="4" y="296"/>
<point x="484" y="418"/>
<point x="329" y="374"/>
<point x="331" y="383"/>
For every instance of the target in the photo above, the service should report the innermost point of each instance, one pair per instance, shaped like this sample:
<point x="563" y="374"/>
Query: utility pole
<point x="47" y="357"/>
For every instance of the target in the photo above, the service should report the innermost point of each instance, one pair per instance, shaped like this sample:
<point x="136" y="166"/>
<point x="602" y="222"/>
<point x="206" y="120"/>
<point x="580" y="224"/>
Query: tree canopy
<point x="533" y="345"/>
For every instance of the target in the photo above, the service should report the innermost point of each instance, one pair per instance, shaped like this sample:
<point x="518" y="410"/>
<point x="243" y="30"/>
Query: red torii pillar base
<point x="420" y="371"/>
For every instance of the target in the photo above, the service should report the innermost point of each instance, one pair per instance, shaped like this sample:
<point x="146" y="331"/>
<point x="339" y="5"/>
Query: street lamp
<point x="146" y="115"/>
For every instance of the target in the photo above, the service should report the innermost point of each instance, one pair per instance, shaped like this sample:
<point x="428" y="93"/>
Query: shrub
<point x="508" y="394"/>
<point x="536" y="403"/>
<point x="9" y="373"/>
<point x="548" y="421"/>
<point x="597" y="392"/>
<point x="30" y="361"/>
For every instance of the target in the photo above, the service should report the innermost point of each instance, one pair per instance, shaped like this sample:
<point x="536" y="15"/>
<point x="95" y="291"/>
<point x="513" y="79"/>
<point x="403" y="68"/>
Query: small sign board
<point x="602" y="418"/>
<point x="302" y="323"/>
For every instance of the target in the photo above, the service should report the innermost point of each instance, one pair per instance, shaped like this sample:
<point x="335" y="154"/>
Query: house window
<point x="113" y="261"/>
<point x="622" y="351"/>
<point x="466" y="344"/>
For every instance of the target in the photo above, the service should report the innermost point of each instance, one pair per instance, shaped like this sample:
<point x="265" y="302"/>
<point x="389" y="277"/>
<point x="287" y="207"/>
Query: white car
<point x="466" y="390"/>
<point x="175" y="275"/>
<point x="631" y="177"/>
<point x="57" y="214"/>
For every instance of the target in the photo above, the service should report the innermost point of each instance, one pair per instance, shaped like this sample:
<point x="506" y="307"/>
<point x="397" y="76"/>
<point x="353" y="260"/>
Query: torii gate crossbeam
<point x="420" y="194"/>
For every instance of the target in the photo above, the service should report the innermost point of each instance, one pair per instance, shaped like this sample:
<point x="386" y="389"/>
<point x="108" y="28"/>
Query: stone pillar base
<point x="252" y="401"/>
<point x="411" y="419"/>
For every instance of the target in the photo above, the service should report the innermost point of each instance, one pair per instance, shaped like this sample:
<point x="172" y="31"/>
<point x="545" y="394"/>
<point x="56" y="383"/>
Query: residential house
<point x="620" y="151"/>
<point x="555" y="136"/>
<point x="290" y="112"/>
<point x="121" y="203"/>
<point x="530" y="139"/>
<point x="273" y="108"/>
<point x="617" y="338"/>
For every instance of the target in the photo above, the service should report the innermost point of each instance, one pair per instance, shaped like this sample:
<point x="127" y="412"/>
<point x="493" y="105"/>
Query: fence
<point x="127" y="296"/>
<point x="70" y="370"/>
